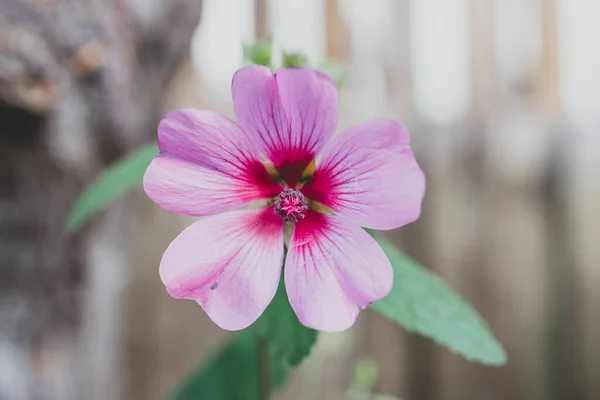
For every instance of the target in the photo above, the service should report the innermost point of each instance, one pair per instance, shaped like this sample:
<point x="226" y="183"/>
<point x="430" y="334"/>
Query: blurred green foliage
<point x="113" y="182"/>
<point x="259" y="54"/>
<point x="288" y="339"/>
<point x="232" y="373"/>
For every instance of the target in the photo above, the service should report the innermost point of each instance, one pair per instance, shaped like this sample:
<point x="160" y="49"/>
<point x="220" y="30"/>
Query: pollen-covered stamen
<point x="290" y="205"/>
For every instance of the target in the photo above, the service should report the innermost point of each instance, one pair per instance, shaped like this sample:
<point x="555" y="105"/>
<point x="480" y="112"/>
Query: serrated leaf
<point x="109" y="185"/>
<point x="288" y="339"/>
<point x="422" y="303"/>
<point x="231" y="374"/>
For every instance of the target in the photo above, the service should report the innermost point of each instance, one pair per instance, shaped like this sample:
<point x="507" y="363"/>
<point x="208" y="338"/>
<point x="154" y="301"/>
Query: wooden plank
<point x="440" y="56"/>
<point x="580" y="195"/>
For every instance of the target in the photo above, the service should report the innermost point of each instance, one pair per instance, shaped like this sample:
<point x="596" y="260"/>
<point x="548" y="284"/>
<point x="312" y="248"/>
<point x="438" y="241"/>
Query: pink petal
<point x="333" y="270"/>
<point x="369" y="176"/>
<point x="229" y="263"/>
<point x="310" y="101"/>
<point x="380" y="134"/>
<point x="207" y="165"/>
<point x="291" y="114"/>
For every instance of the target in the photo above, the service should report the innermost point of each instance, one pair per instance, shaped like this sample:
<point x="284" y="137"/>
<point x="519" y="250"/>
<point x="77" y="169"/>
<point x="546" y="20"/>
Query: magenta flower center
<point x="290" y="205"/>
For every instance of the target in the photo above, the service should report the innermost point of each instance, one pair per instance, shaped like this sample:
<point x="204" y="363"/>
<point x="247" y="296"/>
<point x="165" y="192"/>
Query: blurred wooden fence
<point x="502" y="100"/>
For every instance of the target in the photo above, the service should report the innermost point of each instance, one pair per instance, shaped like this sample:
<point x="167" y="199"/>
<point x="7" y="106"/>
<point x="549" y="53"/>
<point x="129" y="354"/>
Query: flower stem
<point x="264" y="369"/>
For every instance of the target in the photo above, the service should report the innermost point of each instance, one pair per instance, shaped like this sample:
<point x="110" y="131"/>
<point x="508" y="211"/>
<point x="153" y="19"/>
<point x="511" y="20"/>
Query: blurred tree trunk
<point x="81" y="83"/>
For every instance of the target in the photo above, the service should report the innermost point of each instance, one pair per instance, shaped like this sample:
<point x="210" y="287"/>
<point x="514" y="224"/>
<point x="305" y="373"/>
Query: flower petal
<point x="369" y="176"/>
<point x="333" y="270"/>
<point x="310" y="101"/>
<point x="207" y="165"/>
<point x="292" y="114"/>
<point x="229" y="263"/>
<point x="206" y="138"/>
<point x="379" y="134"/>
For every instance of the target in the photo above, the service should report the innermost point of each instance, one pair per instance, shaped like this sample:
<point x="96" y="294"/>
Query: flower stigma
<point x="290" y="205"/>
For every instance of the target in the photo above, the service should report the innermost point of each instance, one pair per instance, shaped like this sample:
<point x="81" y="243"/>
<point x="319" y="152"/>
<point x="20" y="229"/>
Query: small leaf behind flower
<point x="259" y="54"/>
<point x="110" y="184"/>
<point x="422" y="303"/>
<point x="288" y="339"/>
<point x="294" y="60"/>
<point x="336" y="71"/>
<point x="231" y="374"/>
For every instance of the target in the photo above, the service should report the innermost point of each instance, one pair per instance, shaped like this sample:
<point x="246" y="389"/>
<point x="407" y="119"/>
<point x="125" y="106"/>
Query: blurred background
<point x="502" y="98"/>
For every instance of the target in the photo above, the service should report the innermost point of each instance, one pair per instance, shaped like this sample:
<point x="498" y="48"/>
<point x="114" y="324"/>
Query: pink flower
<point x="281" y="159"/>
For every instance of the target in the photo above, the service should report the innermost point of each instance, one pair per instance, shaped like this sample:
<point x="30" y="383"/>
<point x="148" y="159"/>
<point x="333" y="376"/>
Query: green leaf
<point x="288" y="339"/>
<point x="365" y="375"/>
<point x="262" y="54"/>
<point x="109" y="185"/>
<point x="422" y="303"/>
<point x="259" y="54"/>
<point x="294" y="60"/>
<point x="231" y="374"/>
<point x="335" y="71"/>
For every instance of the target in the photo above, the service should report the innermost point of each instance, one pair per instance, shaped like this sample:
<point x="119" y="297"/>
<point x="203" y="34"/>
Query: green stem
<point x="264" y="369"/>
